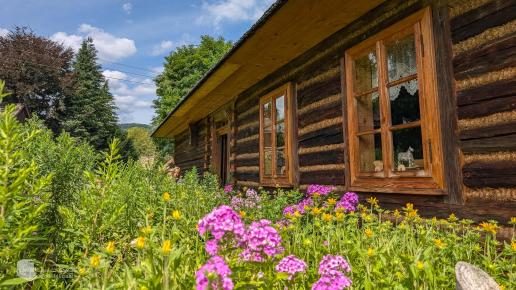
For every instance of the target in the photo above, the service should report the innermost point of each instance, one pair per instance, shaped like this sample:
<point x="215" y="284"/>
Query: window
<point x="276" y="138"/>
<point x="394" y="134"/>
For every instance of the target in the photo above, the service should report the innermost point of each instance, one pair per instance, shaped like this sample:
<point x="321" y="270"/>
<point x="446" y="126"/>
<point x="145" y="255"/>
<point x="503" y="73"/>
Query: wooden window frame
<point x="289" y="179"/>
<point x="389" y="180"/>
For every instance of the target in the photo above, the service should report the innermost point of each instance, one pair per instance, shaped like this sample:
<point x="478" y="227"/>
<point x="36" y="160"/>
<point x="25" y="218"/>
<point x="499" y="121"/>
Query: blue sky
<point x="132" y="36"/>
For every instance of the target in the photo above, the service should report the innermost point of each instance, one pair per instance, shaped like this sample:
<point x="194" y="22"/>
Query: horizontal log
<point x="248" y="118"/>
<point x="505" y="88"/>
<point x="490" y="174"/>
<point x="247" y="132"/>
<point x="436" y="206"/>
<point x="247" y="176"/>
<point x="487" y="107"/>
<point x="247" y="162"/>
<point x="318" y="91"/>
<point x="320" y="135"/>
<point x="325" y="157"/>
<point x="476" y="21"/>
<point x="329" y="111"/>
<point x="493" y="144"/>
<point x="250" y="147"/>
<point x="490" y="57"/>
<point x="489" y="131"/>
<point x="331" y="177"/>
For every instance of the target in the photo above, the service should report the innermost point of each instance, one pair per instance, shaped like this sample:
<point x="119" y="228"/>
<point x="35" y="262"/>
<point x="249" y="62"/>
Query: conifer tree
<point x="90" y="110"/>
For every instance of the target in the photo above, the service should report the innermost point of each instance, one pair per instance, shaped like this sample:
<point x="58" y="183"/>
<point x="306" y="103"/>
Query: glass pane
<point x="404" y="102"/>
<point x="370" y="150"/>
<point x="408" y="149"/>
<point x="366" y="76"/>
<point x="280" y="134"/>
<point x="368" y="112"/>
<point x="401" y="57"/>
<point x="267" y="114"/>
<point x="281" y="162"/>
<point x="267" y="161"/>
<point x="280" y="109"/>
<point x="267" y="137"/>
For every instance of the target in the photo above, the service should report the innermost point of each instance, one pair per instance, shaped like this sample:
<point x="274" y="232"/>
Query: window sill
<point x="416" y="186"/>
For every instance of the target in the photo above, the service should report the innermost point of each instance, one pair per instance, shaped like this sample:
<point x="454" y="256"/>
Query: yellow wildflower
<point x="512" y="221"/>
<point x="316" y="194"/>
<point x="176" y="215"/>
<point x="242" y="213"/>
<point x="513" y="245"/>
<point x="288" y="215"/>
<point x="297" y="214"/>
<point x="327" y="217"/>
<point x="370" y="252"/>
<point x="489" y="227"/>
<point x="166" y="247"/>
<point x="95" y="261"/>
<point x="139" y="242"/>
<point x="316" y="210"/>
<point x="339" y="216"/>
<point x="110" y="247"/>
<point x="332" y="201"/>
<point x="420" y="265"/>
<point x="166" y="196"/>
<point x="372" y="201"/>
<point x="396" y="213"/>
<point x="368" y="233"/>
<point x="306" y="207"/>
<point x="367" y="217"/>
<point x="439" y="244"/>
<point x="146" y="230"/>
<point x="412" y="213"/>
<point x="452" y="218"/>
<point x="409" y="207"/>
<point x="82" y="271"/>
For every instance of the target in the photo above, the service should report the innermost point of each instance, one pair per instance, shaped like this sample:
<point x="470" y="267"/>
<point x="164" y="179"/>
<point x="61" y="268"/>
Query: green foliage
<point x="90" y="110"/>
<point x="142" y="141"/>
<point x="184" y="67"/>
<point x="23" y="196"/>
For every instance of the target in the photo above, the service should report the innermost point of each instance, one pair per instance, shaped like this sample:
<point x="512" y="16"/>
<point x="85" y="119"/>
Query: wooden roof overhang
<point x="285" y="31"/>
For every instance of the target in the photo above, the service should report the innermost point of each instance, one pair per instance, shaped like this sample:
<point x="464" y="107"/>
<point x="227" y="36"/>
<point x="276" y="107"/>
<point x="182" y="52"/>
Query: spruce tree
<point x="90" y="110"/>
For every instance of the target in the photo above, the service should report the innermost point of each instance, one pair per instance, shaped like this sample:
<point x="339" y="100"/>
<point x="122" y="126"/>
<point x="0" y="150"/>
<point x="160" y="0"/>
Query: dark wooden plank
<point x="330" y="177"/>
<point x="250" y="131"/>
<point x="493" y="90"/>
<point x="490" y="174"/>
<point x="489" y="131"/>
<point x="487" y="107"/>
<point x="324" y="157"/>
<point x="247" y="148"/>
<point x="476" y="21"/>
<point x="329" y="111"/>
<point x="493" y="56"/>
<point x="247" y="162"/>
<point x="317" y="137"/>
<point x="246" y="176"/>
<point x="318" y="91"/>
<point x="493" y="144"/>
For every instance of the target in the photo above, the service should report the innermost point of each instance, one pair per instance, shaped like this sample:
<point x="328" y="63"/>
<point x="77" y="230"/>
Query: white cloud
<point x="215" y="12"/>
<point x="133" y="100"/>
<point x="128" y="7"/>
<point x="3" y="31"/>
<point x="109" y="46"/>
<point x="164" y="47"/>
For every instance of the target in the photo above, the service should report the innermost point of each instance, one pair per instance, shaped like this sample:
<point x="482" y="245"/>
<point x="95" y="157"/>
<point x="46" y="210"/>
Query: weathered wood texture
<point x="193" y="151"/>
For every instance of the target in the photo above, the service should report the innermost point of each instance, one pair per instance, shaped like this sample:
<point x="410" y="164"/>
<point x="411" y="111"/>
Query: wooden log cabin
<point x="404" y="100"/>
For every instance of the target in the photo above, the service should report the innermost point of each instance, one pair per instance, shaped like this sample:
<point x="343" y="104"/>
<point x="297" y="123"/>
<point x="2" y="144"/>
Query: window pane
<point x="370" y="150"/>
<point x="281" y="161"/>
<point x="368" y="112"/>
<point x="280" y="134"/>
<point x="366" y="76"/>
<point x="404" y="102"/>
<point x="267" y="161"/>
<point x="408" y="149"/>
<point x="280" y="109"/>
<point x="401" y="57"/>
<point x="267" y="114"/>
<point x="267" y="137"/>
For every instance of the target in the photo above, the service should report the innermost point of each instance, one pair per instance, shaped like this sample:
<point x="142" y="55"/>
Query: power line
<point x="107" y="77"/>
<point x="127" y="65"/>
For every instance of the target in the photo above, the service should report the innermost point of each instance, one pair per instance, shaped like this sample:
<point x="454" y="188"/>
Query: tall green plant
<point x="23" y="196"/>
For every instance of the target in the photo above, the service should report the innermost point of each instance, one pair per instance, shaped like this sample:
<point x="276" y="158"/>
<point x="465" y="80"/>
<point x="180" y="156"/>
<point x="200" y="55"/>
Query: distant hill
<point x="130" y="125"/>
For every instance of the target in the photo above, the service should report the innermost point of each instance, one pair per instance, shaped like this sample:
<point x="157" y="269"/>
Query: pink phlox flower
<point x="338" y="281"/>
<point x="349" y="201"/>
<point x="220" y="221"/>
<point x="212" y="247"/>
<point x="216" y="269"/>
<point x="320" y="189"/>
<point x="332" y="269"/>
<point x="228" y="188"/>
<point x="291" y="265"/>
<point x="261" y="241"/>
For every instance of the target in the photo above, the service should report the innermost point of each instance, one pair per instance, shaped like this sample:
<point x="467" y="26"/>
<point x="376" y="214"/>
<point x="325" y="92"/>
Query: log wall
<point x="475" y="39"/>
<point x="193" y="151"/>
